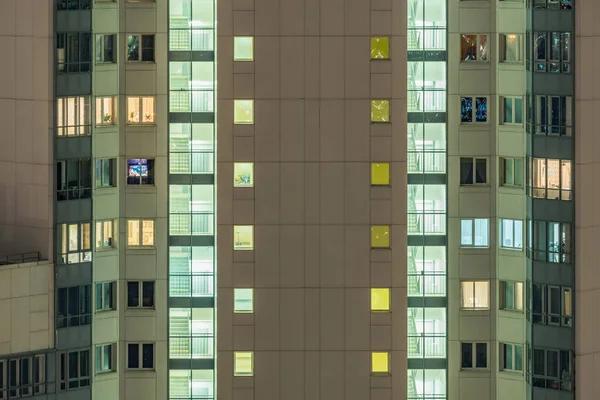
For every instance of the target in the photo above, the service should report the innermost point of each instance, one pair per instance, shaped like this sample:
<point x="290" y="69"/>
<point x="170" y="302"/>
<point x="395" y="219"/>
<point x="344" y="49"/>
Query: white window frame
<point x="502" y="46"/>
<point x="471" y="286"/>
<point x="474" y="356"/>
<point x="474" y="165"/>
<point x="140" y="120"/>
<point x="112" y="244"/>
<point x="141" y="222"/>
<point x="504" y="161"/>
<point x="113" y="296"/>
<point x="141" y="356"/>
<point x="477" y="47"/>
<point x="140" y="52"/>
<point x="103" y="112"/>
<point x="517" y="226"/>
<point x="113" y="358"/>
<point x="141" y="295"/>
<point x="518" y="287"/>
<point x="235" y="371"/>
<point x="513" y="355"/>
<point x="100" y="41"/>
<point x="113" y="176"/>
<point x="82" y="118"/>
<point x="474" y="110"/>
<point x="475" y="228"/>
<point x="513" y="100"/>
<point x="240" y="311"/>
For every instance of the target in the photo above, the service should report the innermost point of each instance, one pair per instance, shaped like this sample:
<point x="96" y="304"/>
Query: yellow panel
<point x="379" y="363"/>
<point x="380" y="236"/>
<point x="243" y="111"/>
<point x="380" y="174"/>
<point x="380" y="111"/>
<point x="380" y="48"/>
<point x="380" y="299"/>
<point x="243" y="364"/>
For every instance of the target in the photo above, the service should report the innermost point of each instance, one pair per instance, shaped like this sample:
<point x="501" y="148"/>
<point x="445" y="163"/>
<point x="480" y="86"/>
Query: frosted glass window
<point x="380" y="48"/>
<point x="243" y="237"/>
<point x="380" y="111"/>
<point x="243" y="175"/>
<point x="380" y="363"/>
<point x="380" y="236"/>
<point x="243" y="48"/>
<point x="380" y="299"/>
<point x="243" y="111"/>
<point x="243" y="300"/>
<point x="380" y="174"/>
<point x="243" y="363"/>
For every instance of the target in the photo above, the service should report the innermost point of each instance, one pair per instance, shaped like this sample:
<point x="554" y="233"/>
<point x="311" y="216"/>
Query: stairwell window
<point x="140" y="232"/>
<point x="380" y="111"/>
<point x="473" y="47"/>
<point x="511" y="234"/>
<point x="140" y="110"/>
<point x="106" y="296"/>
<point x="511" y="171"/>
<point x="380" y="48"/>
<point x="474" y="355"/>
<point x="73" y="117"/>
<point x="473" y="170"/>
<point x="512" y="110"/>
<point x="243" y="175"/>
<point x="511" y="48"/>
<point x="475" y="295"/>
<point x="105" y="45"/>
<point x="243" y="112"/>
<point x="380" y="299"/>
<point x="474" y="232"/>
<point x="140" y="355"/>
<point x="243" y="300"/>
<point x="140" y="294"/>
<point x="243" y="237"/>
<point x="511" y="357"/>
<point x="106" y="234"/>
<point x="380" y="363"/>
<point x="106" y="360"/>
<point x="140" y="48"/>
<point x="243" y="363"/>
<point x="243" y="48"/>
<point x="511" y="295"/>
<point x="473" y="110"/>
<point x="380" y="174"/>
<point x="106" y="111"/>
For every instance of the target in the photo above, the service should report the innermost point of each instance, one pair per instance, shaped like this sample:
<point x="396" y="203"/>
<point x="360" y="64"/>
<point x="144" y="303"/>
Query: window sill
<point x="510" y="312"/>
<point x="474" y="124"/>
<point x="106" y="126"/>
<point x="132" y="247"/>
<point x="144" y="309"/>
<point x="463" y="247"/>
<point x="511" y="65"/>
<point x="511" y="249"/>
<point x="104" y="250"/>
<point x="474" y="64"/>
<point x="104" y="313"/>
<point x="140" y="65"/>
<point x="140" y="124"/>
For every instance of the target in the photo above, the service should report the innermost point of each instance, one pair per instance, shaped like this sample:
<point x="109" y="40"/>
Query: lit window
<point x="105" y="172"/>
<point x="140" y="110"/>
<point x="243" y="175"/>
<point x="243" y="363"/>
<point x="473" y="48"/>
<point x="243" y="112"/>
<point x="551" y="305"/>
<point x="75" y="243"/>
<point x="470" y="112"/>
<point x="140" y="355"/>
<point x="380" y="237"/>
<point x="511" y="234"/>
<point x="473" y="171"/>
<point x="511" y="48"/>
<point x="106" y="235"/>
<point x="512" y="110"/>
<point x="475" y="295"/>
<point x="474" y="232"/>
<point x="551" y="115"/>
<point x="550" y="178"/>
<point x="104" y="49"/>
<point x="550" y="51"/>
<point x="140" y="233"/>
<point x="145" y="288"/>
<point x="474" y="355"/>
<point x="511" y="296"/>
<point x="380" y="111"/>
<point x="380" y="299"/>
<point x="243" y="300"/>
<point x="73" y="116"/>
<point x="511" y="172"/>
<point x="140" y="171"/>
<point x="511" y="357"/>
<point x="243" y="237"/>
<point x="243" y="48"/>
<point x="106" y="296"/>
<point x="380" y="364"/>
<point x="140" y="48"/>
<point x="380" y="174"/>
<point x="105" y="110"/>
<point x="380" y="48"/>
<point x="105" y="358"/>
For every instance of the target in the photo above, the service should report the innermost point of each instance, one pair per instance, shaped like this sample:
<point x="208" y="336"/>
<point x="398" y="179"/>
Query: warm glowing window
<point x="243" y="48"/>
<point x="243" y="300"/>
<point x="380" y="237"/>
<point x="473" y="48"/>
<point x="140" y="110"/>
<point x="380" y="48"/>
<point x="73" y="116"/>
<point x="380" y="111"/>
<point x="511" y="47"/>
<point x="243" y="111"/>
<point x="105" y="110"/>
<point x="475" y="295"/>
<point x="140" y="232"/>
<point x="75" y="243"/>
<point x="380" y="363"/>
<point x="380" y="299"/>
<point x="106" y="234"/>
<point x="550" y="178"/>
<point x="243" y="237"/>
<point x="380" y="174"/>
<point x="243" y="175"/>
<point x="243" y="363"/>
<point x="511" y="296"/>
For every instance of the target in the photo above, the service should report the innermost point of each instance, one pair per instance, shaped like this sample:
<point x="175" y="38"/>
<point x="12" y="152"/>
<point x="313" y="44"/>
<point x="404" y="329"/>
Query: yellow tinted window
<point x="243" y="237"/>
<point x="243" y="365"/>
<point x="243" y="48"/>
<point x="380" y="48"/>
<point x="380" y="236"/>
<point x="380" y="111"/>
<point x="380" y="174"/>
<point x="243" y="111"/>
<point x="380" y="299"/>
<point x="379" y="363"/>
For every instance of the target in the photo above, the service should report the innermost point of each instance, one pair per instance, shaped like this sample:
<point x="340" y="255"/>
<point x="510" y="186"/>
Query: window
<point x="74" y="306"/>
<point x="106" y="110"/>
<point x="473" y="47"/>
<point x="475" y="295"/>
<point x="73" y="116"/>
<point x="380" y="364"/>
<point x="23" y="377"/>
<point x="146" y="288"/>
<point x="140" y="355"/>
<point x="511" y="296"/>
<point x="140" y="171"/>
<point x="243" y="112"/>
<point x="551" y="305"/>
<point x="550" y="4"/>
<point x="380" y="111"/>
<point x="140" y="110"/>
<point x="106" y="234"/>
<point x="549" y="179"/>
<point x="140" y="48"/>
<point x="468" y="113"/>
<point x="140" y="233"/>
<point x="75" y="243"/>
<point x="74" y="369"/>
<point x="511" y="172"/>
<point x="511" y="234"/>
<point x="243" y="237"/>
<point x="243" y="363"/>
<point x="73" y="4"/>
<point x="511" y="357"/>
<point x="550" y="115"/>
<point x="552" y="369"/>
<point x="106" y="296"/>
<point x="380" y="237"/>
<point x="474" y="355"/>
<point x="106" y="358"/>
<point x="105" y="172"/>
<point x="380" y="48"/>
<point x="104" y="49"/>
<point x="512" y="110"/>
<point x="380" y="174"/>
<point x="511" y="48"/>
<point x="243" y="300"/>
<point x="549" y="241"/>
<point x="73" y="52"/>
<point x="474" y="232"/>
<point x="550" y="52"/>
<point x="473" y="171"/>
<point x="73" y="179"/>
<point x="243" y="175"/>
<point x="380" y="299"/>
<point x="243" y="48"/>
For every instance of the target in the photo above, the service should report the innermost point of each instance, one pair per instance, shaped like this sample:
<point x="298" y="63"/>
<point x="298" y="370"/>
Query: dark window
<point x="105" y="296"/>
<point x="73" y="52"/>
<point x="146" y="288"/>
<point x="147" y="355"/>
<point x="480" y="170"/>
<point x="73" y="4"/>
<point x="551" y="52"/>
<point x="140" y="171"/>
<point x="140" y="48"/>
<point x="133" y="294"/>
<point x="467" y="355"/>
<point x="473" y="170"/>
<point x="73" y="179"/>
<point x="105" y="49"/>
<point x="105" y="172"/>
<point x="133" y="355"/>
<point x="148" y="294"/>
<point x="481" y="109"/>
<point x="481" y="355"/>
<point x="74" y="306"/>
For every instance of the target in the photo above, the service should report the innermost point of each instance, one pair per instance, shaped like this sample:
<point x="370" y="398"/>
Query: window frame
<point x="101" y="296"/>
<point x="101" y="41"/>
<point x="547" y="4"/>
<point x="474" y="235"/>
<point x="141" y="294"/>
<point x="546" y="64"/>
<point x="511" y="348"/>
<point x="143" y="117"/>
<point x="474" y="110"/>
<point x="474" y="164"/>
<point x="67" y="255"/>
<point x="68" y="189"/>
<point x="141" y="180"/>
<point x="504" y="162"/>
<point x="101" y="164"/>
<point x="380" y="55"/>
<point x="99" y="104"/>
<point x="374" y="354"/>
<point x="65" y="380"/>
<point x="502" y="296"/>
<point x="243" y="59"/>
<point x="140" y="356"/>
<point x="141" y="222"/>
<point x="541" y="172"/>
<point x="474" y="354"/>
<point x="35" y="365"/>
<point x="540" y="112"/>
<point x="381" y="291"/>
<point x="479" y="51"/>
<point x="545" y="380"/>
<point x="65" y="316"/>
<point x="111" y="243"/>
<point x="381" y="104"/>
<point x="82" y="116"/>
<point x="236" y="372"/>
<point x="546" y="316"/>
<point x="473" y="288"/>
<point x="235" y="300"/>
<point x="515" y="230"/>
<point x="514" y="107"/>
<point x="503" y="47"/>
<point x="140" y="49"/>
<point x="241" y="180"/>
<point x="113" y="361"/>
<point x="67" y="66"/>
